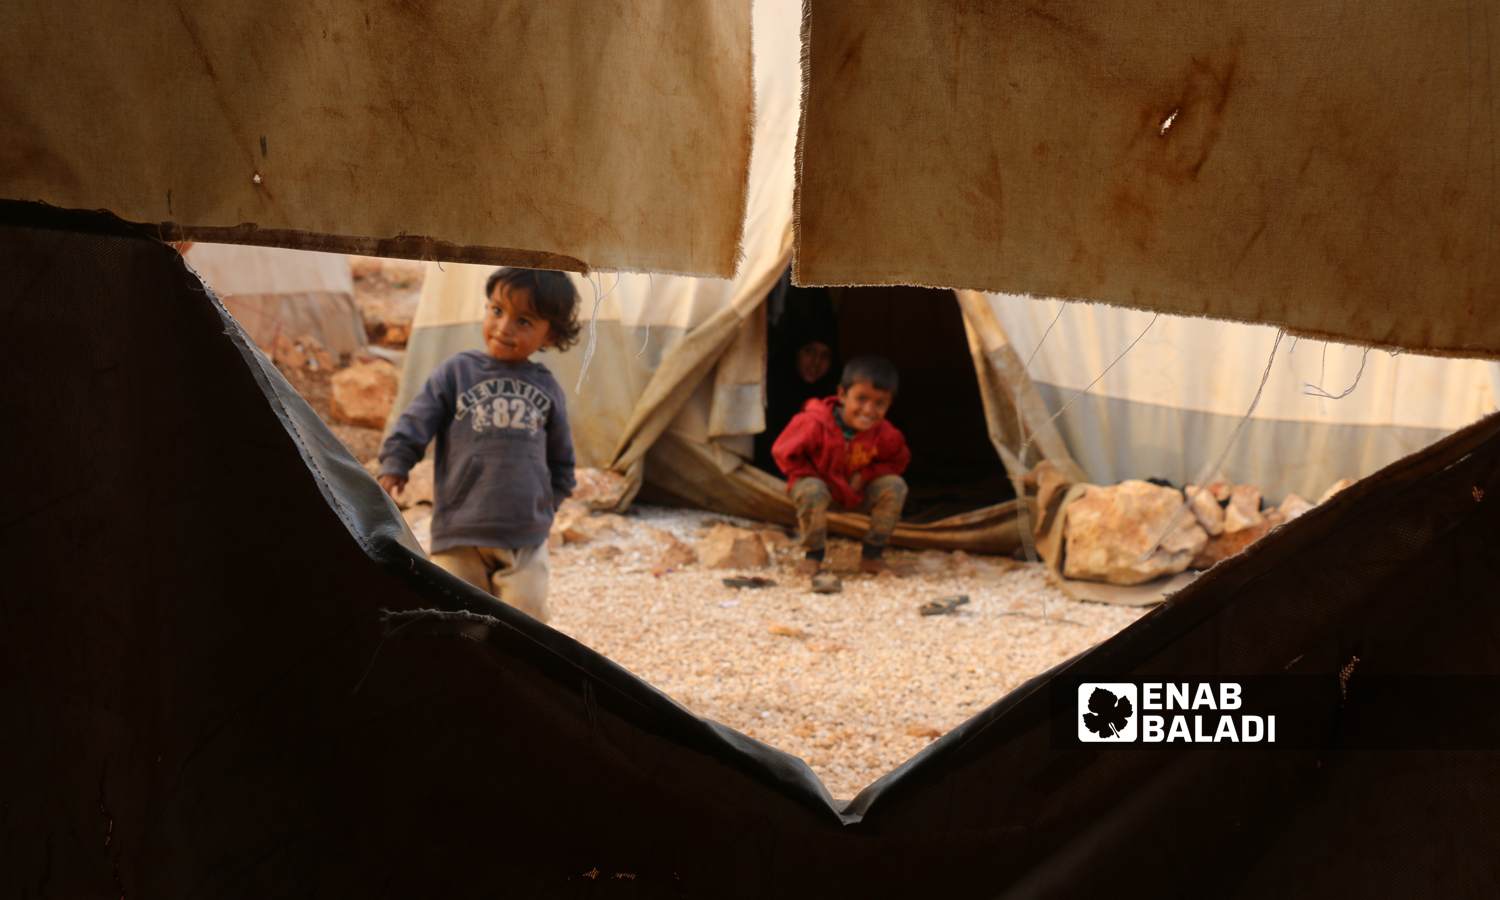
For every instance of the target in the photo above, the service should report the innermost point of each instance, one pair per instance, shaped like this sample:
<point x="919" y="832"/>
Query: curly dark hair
<point x="553" y="295"/>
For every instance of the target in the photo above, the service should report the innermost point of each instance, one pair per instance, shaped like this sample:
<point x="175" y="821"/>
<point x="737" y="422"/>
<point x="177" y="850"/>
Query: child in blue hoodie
<point x="504" y="455"/>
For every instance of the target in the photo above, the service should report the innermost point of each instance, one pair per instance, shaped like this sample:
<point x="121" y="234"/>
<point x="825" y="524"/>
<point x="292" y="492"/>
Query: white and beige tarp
<point x="556" y="133"/>
<point x="1168" y="406"/>
<point x="1328" y="167"/>
<point x="274" y="292"/>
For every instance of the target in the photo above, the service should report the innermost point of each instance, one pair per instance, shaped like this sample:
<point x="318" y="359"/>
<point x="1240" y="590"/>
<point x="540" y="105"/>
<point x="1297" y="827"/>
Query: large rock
<point x="1243" y="510"/>
<point x="675" y="554"/>
<point x="1206" y="509"/>
<point x="599" y="488"/>
<point x="1110" y="529"/>
<point x="363" y="393"/>
<point x="579" y="525"/>
<point x="575" y="523"/>
<point x="1221" y="488"/>
<point x="728" y="547"/>
<point x="1292" y="507"/>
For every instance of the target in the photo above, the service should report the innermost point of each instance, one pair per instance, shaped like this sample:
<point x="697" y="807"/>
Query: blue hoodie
<point x="504" y="458"/>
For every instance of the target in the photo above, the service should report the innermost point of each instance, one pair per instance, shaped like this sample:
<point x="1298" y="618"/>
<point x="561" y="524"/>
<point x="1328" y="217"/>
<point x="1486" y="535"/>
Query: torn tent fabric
<point x="229" y="671"/>
<point x="1324" y="167"/>
<point x="565" y="135"/>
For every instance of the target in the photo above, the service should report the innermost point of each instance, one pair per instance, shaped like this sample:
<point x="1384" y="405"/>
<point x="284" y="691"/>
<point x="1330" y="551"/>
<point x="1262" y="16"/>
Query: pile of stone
<point x="386" y="291"/>
<point x="1136" y="531"/>
<point x="725" y="546"/>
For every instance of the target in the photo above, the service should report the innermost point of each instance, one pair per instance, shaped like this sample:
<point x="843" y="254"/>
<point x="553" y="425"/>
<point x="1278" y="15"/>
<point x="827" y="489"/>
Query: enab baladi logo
<point x="1156" y="712"/>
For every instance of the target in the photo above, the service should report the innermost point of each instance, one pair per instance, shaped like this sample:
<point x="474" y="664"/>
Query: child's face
<point x="865" y="405"/>
<point x="512" y="329"/>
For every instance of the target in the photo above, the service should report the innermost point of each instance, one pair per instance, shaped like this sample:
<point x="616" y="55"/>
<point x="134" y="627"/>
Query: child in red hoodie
<point x="842" y="449"/>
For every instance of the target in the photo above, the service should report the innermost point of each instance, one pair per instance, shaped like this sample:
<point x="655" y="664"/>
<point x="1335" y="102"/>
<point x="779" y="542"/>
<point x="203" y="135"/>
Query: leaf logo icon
<point x="1106" y="712"/>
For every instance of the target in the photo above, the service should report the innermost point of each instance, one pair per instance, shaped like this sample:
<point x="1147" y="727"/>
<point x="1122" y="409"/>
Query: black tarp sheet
<point x="203" y="696"/>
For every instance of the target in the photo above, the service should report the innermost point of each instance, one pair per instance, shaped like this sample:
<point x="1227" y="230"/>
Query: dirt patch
<point x="854" y="682"/>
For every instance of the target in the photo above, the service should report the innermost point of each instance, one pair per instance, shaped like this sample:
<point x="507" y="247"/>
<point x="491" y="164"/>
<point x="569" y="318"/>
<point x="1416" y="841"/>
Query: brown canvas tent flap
<point x="1330" y="168"/>
<point x="562" y="135"/>
<point x="211" y="694"/>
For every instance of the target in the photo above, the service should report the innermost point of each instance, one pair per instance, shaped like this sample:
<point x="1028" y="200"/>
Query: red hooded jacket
<point x="813" y="446"/>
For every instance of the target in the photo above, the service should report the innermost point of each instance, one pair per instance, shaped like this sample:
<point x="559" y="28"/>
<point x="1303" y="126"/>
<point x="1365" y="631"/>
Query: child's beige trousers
<point x="518" y="577"/>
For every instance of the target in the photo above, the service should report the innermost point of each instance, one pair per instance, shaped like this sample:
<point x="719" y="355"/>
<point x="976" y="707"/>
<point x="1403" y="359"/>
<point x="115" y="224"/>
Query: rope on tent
<point x="1208" y="475"/>
<point x="1027" y="368"/>
<point x="1316" y="390"/>
<point x="1028" y="542"/>
<point x="1026" y="446"/>
<point x="1107" y="368"/>
<point x="588" y="353"/>
<point x="650" y="313"/>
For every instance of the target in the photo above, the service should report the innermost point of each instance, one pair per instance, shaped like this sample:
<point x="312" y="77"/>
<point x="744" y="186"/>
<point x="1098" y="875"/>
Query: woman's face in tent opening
<point x="813" y="361"/>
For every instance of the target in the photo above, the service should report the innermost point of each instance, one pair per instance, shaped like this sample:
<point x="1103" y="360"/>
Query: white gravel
<point x="867" y="684"/>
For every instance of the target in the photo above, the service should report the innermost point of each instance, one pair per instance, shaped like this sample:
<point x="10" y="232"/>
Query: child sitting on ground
<point x="842" y="449"/>
<point x="504" y="454"/>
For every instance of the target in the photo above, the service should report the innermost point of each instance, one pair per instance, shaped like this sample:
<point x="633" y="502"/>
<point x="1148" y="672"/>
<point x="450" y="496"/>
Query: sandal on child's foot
<point x="826" y="583"/>
<point x="878" y="567"/>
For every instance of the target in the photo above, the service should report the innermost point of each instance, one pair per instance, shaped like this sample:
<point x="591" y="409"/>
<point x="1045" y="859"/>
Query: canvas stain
<point x="851" y="56"/>
<point x="1172" y="142"/>
<point x="1196" y="119"/>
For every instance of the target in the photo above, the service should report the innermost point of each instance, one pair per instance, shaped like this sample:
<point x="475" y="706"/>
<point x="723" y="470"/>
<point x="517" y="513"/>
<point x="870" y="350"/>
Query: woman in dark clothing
<point x="802" y="361"/>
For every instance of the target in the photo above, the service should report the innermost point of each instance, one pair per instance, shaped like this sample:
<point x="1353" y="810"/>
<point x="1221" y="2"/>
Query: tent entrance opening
<point x="938" y="407"/>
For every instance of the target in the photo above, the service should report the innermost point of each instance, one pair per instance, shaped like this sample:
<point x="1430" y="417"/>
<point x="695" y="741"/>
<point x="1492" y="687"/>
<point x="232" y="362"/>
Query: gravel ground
<point x="855" y="683"/>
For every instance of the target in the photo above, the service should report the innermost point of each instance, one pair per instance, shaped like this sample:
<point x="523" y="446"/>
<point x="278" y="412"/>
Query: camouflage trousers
<point x="883" y="500"/>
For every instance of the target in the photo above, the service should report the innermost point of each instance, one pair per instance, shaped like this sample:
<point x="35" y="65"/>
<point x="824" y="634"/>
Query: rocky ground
<point x="855" y="682"/>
